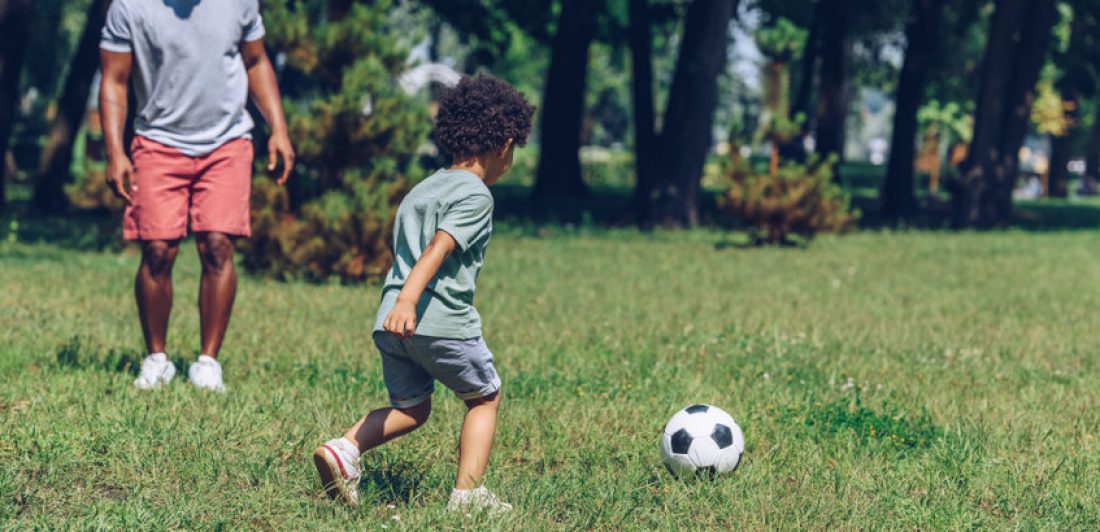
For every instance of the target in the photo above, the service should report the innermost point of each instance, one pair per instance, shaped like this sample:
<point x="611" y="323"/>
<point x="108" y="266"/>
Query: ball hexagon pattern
<point x="702" y="439"/>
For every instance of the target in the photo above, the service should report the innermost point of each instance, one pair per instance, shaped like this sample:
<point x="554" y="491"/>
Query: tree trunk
<point x="1035" y="41"/>
<point x="898" y="200"/>
<point x="1061" y="148"/>
<point x="831" y="101"/>
<point x="1019" y="35"/>
<point x="687" y="131"/>
<point x="338" y="9"/>
<point x="645" y="136"/>
<point x="1092" y="156"/>
<point x="14" y="24"/>
<point x="803" y="97"/>
<point x="559" y="170"/>
<point x="53" y="168"/>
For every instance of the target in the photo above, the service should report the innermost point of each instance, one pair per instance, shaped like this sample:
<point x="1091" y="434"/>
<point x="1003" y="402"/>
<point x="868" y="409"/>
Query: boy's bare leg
<point x="476" y="440"/>
<point x="153" y="290"/>
<point x="385" y="424"/>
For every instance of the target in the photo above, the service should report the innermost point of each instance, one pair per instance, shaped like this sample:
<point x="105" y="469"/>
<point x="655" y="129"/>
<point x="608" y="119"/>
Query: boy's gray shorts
<point x="410" y="367"/>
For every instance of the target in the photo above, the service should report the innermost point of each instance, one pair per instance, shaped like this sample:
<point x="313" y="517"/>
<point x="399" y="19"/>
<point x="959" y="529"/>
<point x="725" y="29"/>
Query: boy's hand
<point x="401" y="320"/>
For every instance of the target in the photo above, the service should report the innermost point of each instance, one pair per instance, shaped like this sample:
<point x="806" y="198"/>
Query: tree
<point x="672" y="197"/>
<point x="831" y="100"/>
<point x="921" y="35"/>
<point x="53" y="167"/>
<point x="1077" y="62"/>
<point x="1019" y="36"/>
<point x="356" y="134"/>
<point x="645" y="138"/>
<point x="780" y="43"/>
<point x="803" y="99"/>
<point x="14" y="20"/>
<point x="559" y="169"/>
<point x="1092" y="152"/>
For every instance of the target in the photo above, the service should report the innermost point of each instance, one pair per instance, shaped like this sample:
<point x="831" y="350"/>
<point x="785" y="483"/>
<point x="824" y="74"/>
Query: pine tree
<point x="356" y="135"/>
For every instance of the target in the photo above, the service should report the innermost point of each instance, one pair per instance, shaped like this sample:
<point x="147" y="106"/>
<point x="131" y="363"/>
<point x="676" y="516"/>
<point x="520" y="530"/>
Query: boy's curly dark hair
<point x="480" y="114"/>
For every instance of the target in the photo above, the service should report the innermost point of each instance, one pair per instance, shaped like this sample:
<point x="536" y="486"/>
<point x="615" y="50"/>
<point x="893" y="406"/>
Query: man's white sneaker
<point x="337" y="463"/>
<point x="477" y="500"/>
<point x="156" y="370"/>
<point x="206" y="374"/>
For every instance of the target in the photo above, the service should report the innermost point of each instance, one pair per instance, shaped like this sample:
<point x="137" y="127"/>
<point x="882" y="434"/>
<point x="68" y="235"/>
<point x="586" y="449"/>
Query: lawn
<point x="883" y="380"/>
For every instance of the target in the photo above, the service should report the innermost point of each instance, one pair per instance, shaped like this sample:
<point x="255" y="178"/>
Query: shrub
<point x="799" y="199"/>
<point x="356" y="135"/>
<point x="336" y="235"/>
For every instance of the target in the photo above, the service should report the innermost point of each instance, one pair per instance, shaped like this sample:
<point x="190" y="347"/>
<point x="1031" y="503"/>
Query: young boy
<point x="427" y="328"/>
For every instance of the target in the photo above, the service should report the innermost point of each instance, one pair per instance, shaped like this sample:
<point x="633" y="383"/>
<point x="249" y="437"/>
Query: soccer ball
<point x="702" y="439"/>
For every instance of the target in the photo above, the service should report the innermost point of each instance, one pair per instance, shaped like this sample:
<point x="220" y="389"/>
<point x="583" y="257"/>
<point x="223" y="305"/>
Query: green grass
<point x="915" y="380"/>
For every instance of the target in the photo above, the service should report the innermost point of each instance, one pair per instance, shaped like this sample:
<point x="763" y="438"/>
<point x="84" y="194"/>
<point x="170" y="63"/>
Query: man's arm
<point x="265" y="92"/>
<point x="112" y="114"/>
<point x="402" y="318"/>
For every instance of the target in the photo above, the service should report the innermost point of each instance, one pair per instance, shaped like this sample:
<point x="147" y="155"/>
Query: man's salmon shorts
<point x="167" y="186"/>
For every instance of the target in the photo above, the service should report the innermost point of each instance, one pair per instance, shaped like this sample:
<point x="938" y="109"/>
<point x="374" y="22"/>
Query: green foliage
<point x="798" y="200"/>
<point x="945" y="118"/>
<point x="356" y="134"/>
<point x="955" y="74"/>
<point x="338" y="234"/>
<point x="782" y="41"/>
<point x="1049" y="110"/>
<point x="607" y="168"/>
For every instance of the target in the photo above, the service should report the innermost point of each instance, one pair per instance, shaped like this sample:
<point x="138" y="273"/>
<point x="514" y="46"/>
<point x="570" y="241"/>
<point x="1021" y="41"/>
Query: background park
<point x="868" y="230"/>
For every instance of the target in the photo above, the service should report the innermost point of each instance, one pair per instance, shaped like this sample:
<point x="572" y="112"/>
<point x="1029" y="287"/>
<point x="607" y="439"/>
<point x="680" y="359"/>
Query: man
<point x="195" y="63"/>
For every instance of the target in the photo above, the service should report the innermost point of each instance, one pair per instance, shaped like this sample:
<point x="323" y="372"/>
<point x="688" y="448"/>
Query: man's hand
<point x="278" y="146"/>
<point x="265" y="92"/>
<point x="401" y="320"/>
<point x="120" y="176"/>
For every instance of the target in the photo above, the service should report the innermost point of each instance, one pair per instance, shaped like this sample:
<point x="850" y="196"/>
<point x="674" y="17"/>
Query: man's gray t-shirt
<point x="189" y="79"/>
<point x="459" y="203"/>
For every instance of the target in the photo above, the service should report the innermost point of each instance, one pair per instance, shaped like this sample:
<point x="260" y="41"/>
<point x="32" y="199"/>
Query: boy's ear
<point x="507" y="144"/>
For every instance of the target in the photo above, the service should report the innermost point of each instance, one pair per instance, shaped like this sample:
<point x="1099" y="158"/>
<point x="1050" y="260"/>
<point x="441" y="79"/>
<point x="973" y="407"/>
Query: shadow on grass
<point x="82" y="353"/>
<point x="392" y="482"/>
<point x="612" y="207"/>
<point x="77" y="229"/>
<point x="603" y="207"/>
<point x="1057" y="214"/>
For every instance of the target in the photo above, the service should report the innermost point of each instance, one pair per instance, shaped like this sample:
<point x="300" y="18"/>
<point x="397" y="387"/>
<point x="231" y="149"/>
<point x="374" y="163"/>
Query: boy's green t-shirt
<point x="458" y="202"/>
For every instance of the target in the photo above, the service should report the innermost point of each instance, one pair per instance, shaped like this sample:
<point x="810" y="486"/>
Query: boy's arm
<point x="402" y="318"/>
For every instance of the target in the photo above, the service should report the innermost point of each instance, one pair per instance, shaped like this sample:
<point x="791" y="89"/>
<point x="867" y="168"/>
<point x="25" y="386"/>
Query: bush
<point x="336" y="235"/>
<point x="356" y="135"/>
<point x="797" y="200"/>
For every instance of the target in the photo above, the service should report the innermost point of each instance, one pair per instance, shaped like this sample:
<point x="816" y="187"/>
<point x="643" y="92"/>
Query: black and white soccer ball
<point x="702" y="440"/>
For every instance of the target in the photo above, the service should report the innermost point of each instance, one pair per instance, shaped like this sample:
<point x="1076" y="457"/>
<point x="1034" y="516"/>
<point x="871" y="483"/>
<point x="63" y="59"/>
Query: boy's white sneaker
<point x="206" y="374"/>
<point x="477" y="500"/>
<point x="156" y="370"/>
<point x="337" y="463"/>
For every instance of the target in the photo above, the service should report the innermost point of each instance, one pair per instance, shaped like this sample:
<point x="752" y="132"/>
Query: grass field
<point x="883" y="380"/>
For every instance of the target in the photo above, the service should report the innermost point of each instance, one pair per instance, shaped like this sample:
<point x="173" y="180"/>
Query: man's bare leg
<point x="217" y="289"/>
<point x="153" y="291"/>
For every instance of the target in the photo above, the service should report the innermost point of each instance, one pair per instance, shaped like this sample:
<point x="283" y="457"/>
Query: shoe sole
<point x="331" y="479"/>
